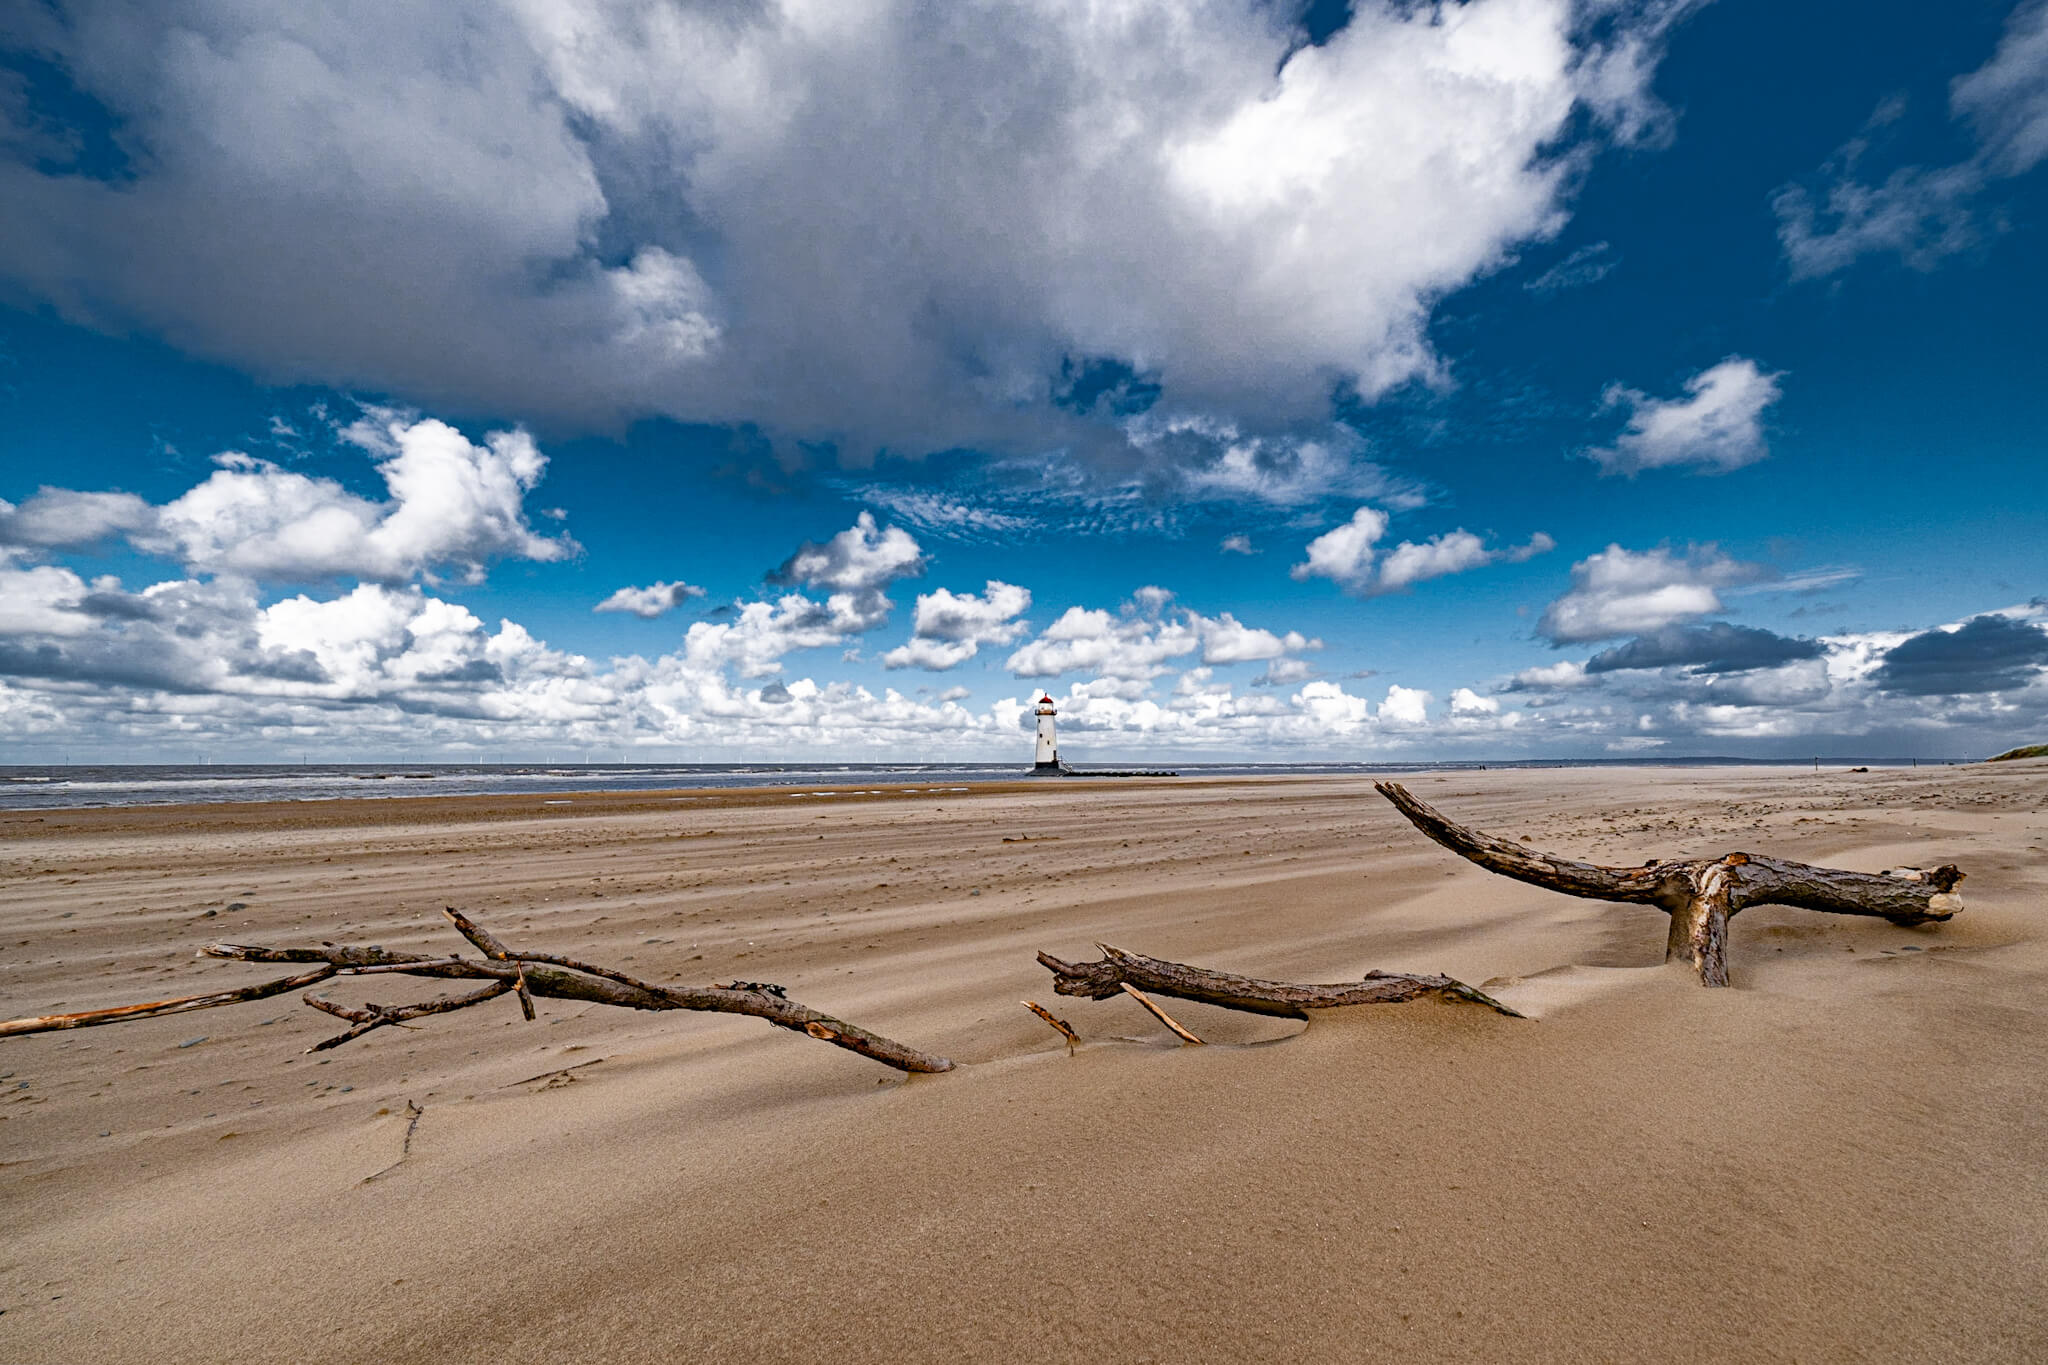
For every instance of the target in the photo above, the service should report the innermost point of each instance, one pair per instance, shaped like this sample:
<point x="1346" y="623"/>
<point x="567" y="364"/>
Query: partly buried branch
<point x="1117" y="969"/>
<point x="504" y="971"/>
<point x="121" y="1014"/>
<point x="1701" y="895"/>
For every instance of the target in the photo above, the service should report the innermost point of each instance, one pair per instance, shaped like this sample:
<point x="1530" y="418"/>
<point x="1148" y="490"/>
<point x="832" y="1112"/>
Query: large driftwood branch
<point x="505" y="971"/>
<point x="1117" y="969"/>
<point x="1701" y="895"/>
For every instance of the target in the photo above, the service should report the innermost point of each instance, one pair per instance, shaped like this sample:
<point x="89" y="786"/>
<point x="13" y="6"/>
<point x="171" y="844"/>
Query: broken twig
<point x="1064" y="1029"/>
<point x="1161" y="1015"/>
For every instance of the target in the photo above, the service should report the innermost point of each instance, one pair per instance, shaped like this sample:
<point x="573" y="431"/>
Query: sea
<point x="59" y="787"/>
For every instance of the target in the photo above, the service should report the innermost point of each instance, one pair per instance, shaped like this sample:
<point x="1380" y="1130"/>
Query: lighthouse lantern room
<point x="1048" y="747"/>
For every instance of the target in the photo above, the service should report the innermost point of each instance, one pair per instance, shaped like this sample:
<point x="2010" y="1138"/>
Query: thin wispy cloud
<point x="1924" y="214"/>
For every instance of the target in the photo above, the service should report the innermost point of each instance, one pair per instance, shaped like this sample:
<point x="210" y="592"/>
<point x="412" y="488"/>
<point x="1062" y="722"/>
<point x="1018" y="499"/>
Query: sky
<point x="791" y="380"/>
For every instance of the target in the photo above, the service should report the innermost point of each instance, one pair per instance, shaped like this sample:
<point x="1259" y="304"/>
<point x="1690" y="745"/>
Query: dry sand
<point x="1845" y="1157"/>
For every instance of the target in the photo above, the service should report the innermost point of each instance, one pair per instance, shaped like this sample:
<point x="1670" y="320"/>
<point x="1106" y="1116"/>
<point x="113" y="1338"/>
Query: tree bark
<point x="1701" y="895"/>
<point x="527" y="974"/>
<point x="1283" y="999"/>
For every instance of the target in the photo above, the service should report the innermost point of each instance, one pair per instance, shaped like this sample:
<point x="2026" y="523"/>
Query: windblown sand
<point x="1845" y="1157"/>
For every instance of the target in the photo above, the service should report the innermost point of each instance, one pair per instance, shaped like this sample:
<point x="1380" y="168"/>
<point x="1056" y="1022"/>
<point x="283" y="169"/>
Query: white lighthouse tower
<point x="1048" y="747"/>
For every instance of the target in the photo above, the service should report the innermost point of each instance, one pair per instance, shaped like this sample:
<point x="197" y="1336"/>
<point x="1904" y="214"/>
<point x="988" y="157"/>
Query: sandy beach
<point x="1844" y="1157"/>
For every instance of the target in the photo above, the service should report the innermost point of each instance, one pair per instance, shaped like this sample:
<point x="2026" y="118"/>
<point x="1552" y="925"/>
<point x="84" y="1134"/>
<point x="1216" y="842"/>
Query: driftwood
<point x="1152" y="1008"/>
<point x="121" y="1014"/>
<point x="1701" y="895"/>
<point x="504" y="971"/>
<point x="1119" y="970"/>
<point x="1061" y="1026"/>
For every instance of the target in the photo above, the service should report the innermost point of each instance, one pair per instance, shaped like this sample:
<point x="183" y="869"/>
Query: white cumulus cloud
<point x="57" y="517"/>
<point x="949" y="628"/>
<point x="861" y="559"/>
<point x="650" y="601"/>
<point x="451" y="504"/>
<point x="1717" y="426"/>
<point x="1350" y="555"/>
<point x="1628" y="592"/>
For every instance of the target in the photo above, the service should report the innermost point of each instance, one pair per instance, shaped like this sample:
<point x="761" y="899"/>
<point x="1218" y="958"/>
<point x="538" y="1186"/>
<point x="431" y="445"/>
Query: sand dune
<point x="1845" y="1157"/>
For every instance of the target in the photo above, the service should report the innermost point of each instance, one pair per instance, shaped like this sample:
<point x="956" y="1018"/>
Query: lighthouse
<point x="1048" y="747"/>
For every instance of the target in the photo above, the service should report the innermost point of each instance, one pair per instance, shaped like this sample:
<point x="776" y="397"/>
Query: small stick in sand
<point x="1157" y="1013"/>
<point x="405" y="1147"/>
<point x="1066" y="1030"/>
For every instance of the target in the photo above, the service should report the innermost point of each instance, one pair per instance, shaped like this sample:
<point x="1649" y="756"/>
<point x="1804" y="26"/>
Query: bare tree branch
<point x="1285" y="999"/>
<point x="1701" y="895"/>
<point x="531" y="974"/>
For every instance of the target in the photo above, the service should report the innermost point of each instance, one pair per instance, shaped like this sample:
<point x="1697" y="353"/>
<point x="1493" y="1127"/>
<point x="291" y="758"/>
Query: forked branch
<point x="1701" y="895"/>
<point x="504" y="971"/>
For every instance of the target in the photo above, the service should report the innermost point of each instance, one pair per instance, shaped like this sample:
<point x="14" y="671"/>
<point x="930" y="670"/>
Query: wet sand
<point x="1844" y="1157"/>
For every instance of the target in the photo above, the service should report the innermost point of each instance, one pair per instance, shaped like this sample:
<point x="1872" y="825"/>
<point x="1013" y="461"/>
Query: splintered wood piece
<point x="1161" y="1015"/>
<point x="1065" y="1029"/>
<point x="1119" y="970"/>
<point x="121" y="1014"/>
<point x="1702" y="894"/>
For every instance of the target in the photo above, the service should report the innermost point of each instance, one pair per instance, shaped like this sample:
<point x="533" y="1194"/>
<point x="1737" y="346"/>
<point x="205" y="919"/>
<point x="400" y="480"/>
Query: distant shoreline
<point x="100" y="786"/>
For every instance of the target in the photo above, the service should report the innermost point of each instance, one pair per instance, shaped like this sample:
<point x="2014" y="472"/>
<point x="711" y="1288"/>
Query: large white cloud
<point x="1717" y="426"/>
<point x="879" y="223"/>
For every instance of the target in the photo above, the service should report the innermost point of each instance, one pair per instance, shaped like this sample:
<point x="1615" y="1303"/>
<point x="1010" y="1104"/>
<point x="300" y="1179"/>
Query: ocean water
<point x="25" y="787"/>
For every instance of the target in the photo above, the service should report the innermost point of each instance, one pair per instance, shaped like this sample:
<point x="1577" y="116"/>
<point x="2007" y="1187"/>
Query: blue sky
<point x="1569" y="378"/>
